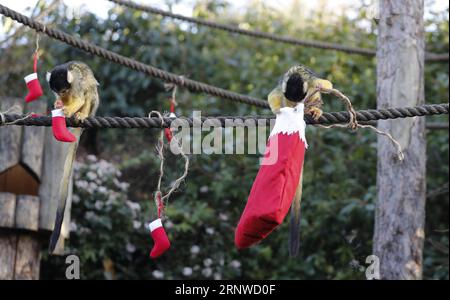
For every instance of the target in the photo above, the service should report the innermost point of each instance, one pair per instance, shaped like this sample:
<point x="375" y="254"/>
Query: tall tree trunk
<point x="400" y="213"/>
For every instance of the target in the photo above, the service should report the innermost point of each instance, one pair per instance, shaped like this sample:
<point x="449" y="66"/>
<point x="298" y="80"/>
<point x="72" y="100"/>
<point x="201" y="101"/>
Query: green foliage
<point x="340" y="171"/>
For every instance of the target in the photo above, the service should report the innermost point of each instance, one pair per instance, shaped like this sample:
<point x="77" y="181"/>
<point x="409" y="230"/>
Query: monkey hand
<point x="80" y="116"/>
<point x="323" y="84"/>
<point x="58" y="104"/>
<point x="315" y="112"/>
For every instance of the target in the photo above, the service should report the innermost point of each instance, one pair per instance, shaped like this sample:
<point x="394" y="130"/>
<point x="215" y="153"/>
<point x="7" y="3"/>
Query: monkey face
<point x="296" y="88"/>
<point x="60" y="79"/>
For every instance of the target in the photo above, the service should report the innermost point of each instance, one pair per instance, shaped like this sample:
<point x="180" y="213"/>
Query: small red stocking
<point x="162" y="243"/>
<point x="278" y="177"/>
<point x="34" y="87"/>
<point x="59" y="127"/>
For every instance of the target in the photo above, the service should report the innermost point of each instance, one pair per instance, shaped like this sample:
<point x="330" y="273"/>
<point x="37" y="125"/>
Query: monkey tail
<point x="294" y="225"/>
<point x="64" y="187"/>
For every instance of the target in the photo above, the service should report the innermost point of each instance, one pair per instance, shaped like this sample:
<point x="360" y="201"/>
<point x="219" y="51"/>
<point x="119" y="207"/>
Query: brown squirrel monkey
<point x="76" y="93"/>
<point x="299" y="83"/>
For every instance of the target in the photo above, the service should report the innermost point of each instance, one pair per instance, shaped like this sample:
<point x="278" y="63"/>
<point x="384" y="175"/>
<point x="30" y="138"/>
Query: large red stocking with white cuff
<point x="274" y="188"/>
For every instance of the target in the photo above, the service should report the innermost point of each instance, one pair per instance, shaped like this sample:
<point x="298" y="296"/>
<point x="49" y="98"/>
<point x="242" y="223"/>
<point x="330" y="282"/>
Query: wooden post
<point x="20" y="171"/>
<point x="53" y="164"/>
<point x="29" y="185"/>
<point x="400" y="214"/>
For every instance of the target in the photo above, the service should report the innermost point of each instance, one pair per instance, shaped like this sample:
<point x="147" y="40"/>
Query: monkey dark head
<point x="295" y="88"/>
<point x="59" y="79"/>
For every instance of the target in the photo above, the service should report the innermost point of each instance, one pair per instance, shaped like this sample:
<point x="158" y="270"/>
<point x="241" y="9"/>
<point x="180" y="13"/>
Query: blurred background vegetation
<point x="117" y="169"/>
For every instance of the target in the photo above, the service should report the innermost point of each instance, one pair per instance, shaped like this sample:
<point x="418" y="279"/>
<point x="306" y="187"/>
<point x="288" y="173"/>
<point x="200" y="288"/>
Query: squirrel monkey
<point x="76" y="93"/>
<point x="299" y="83"/>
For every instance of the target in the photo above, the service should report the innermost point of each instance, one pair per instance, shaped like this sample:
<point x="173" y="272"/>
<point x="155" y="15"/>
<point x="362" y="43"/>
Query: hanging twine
<point x="167" y="131"/>
<point x="178" y="144"/>
<point x="353" y="122"/>
<point x="159" y="198"/>
<point x="174" y="88"/>
<point x="173" y="103"/>
<point x="36" y="52"/>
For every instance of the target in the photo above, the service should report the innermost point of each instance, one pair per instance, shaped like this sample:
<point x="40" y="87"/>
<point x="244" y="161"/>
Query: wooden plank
<point x="8" y="245"/>
<point x="7" y="210"/>
<point x="10" y="136"/>
<point x="51" y="175"/>
<point x="33" y="141"/>
<point x="27" y="212"/>
<point x="28" y="257"/>
<point x="65" y="228"/>
<point x="53" y="163"/>
<point x="20" y="169"/>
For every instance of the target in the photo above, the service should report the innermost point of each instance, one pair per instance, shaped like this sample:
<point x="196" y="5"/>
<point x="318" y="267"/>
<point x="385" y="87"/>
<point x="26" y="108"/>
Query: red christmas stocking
<point x="34" y="87"/>
<point x="276" y="182"/>
<point x="162" y="243"/>
<point x="59" y="128"/>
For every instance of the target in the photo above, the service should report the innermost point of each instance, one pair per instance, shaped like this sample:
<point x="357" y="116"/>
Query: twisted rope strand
<point x="432" y="57"/>
<point x="91" y="48"/>
<point x="143" y="122"/>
